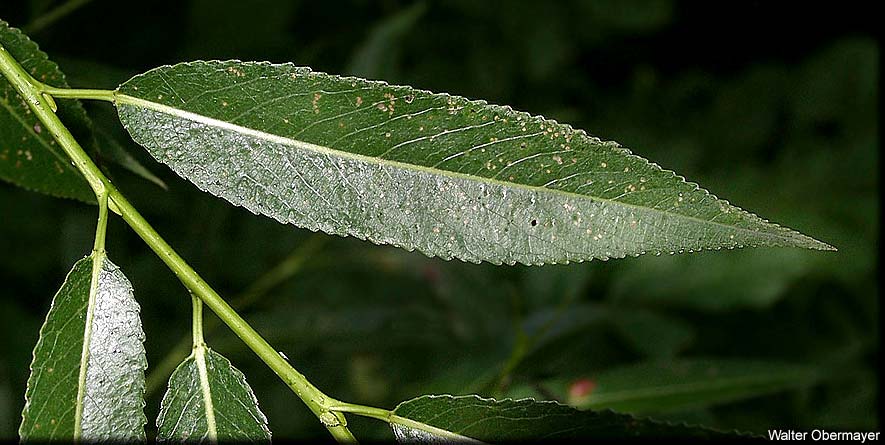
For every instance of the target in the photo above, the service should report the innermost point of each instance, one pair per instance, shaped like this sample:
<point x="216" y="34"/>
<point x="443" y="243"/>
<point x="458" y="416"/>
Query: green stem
<point x="32" y="91"/>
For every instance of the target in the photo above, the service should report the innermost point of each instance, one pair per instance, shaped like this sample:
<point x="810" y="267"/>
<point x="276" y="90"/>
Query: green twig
<point x="32" y="91"/>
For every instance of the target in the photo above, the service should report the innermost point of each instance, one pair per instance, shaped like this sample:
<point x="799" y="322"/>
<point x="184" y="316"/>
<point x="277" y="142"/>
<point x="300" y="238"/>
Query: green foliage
<point x="783" y="125"/>
<point x="87" y="377"/>
<point x="441" y="174"/>
<point x="681" y="385"/>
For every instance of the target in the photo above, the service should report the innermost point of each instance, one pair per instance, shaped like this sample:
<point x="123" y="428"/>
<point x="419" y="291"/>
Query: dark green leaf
<point x="450" y="177"/>
<point x="29" y="157"/>
<point x="662" y="387"/>
<point x="87" y="377"/>
<point x="436" y="419"/>
<point x="208" y="400"/>
<point x="754" y="279"/>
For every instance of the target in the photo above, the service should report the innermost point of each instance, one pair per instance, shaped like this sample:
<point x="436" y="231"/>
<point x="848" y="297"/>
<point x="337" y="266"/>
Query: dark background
<point x="773" y="107"/>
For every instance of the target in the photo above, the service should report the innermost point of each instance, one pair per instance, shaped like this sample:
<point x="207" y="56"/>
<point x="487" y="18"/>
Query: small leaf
<point x="208" y="400"/>
<point x="444" y="419"/>
<point x="29" y="157"/>
<point x="451" y="177"/>
<point x="87" y="376"/>
<point x="679" y="385"/>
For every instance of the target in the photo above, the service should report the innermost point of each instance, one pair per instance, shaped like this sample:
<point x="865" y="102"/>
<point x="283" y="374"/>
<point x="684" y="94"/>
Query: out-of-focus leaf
<point x="633" y="16"/>
<point x="444" y="419"/>
<point x="748" y="278"/>
<point x="652" y="334"/>
<point x="87" y="376"/>
<point x="554" y="285"/>
<point x="369" y="311"/>
<point x="111" y="149"/>
<point x="849" y="403"/>
<point x="208" y="400"/>
<point x="450" y="177"/>
<point x="29" y="156"/>
<point x="378" y="55"/>
<point x="551" y="325"/>
<point x="684" y="384"/>
<point x="217" y="31"/>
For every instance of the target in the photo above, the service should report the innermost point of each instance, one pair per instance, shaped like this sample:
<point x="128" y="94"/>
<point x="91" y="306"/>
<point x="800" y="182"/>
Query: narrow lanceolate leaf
<point x="648" y="388"/>
<point x="29" y="156"/>
<point x="444" y="419"/>
<point x="208" y="400"/>
<point x="87" y="377"/>
<point x="448" y="176"/>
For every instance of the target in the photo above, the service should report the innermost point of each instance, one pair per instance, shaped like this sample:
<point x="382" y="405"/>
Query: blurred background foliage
<point x="772" y="106"/>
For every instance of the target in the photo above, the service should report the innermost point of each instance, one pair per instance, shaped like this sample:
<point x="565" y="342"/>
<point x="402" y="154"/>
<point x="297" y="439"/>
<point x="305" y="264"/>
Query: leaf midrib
<point x="97" y="264"/>
<point x="206" y="390"/>
<point x="125" y="99"/>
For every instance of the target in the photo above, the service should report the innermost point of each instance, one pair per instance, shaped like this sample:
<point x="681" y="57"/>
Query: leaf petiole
<point x="197" y="322"/>
<point x="77" y="93"/>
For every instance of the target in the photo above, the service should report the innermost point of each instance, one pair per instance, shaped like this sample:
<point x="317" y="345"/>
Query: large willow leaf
<point x="208" y="400"/>
<point x="450" y="177"/>
<point x="444" y="419"/>
<point x="87" y="377"/>
<point x="29" y="157"/>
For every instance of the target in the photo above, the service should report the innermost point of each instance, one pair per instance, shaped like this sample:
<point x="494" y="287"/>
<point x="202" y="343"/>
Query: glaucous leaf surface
<point x="29" y="156"/>
<point x="87" y="376"/>
<point x="445" y="175"/>
<point x="208" y="400"/>
<point x="684" y="384"/>
<point x="446" y="419"/>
